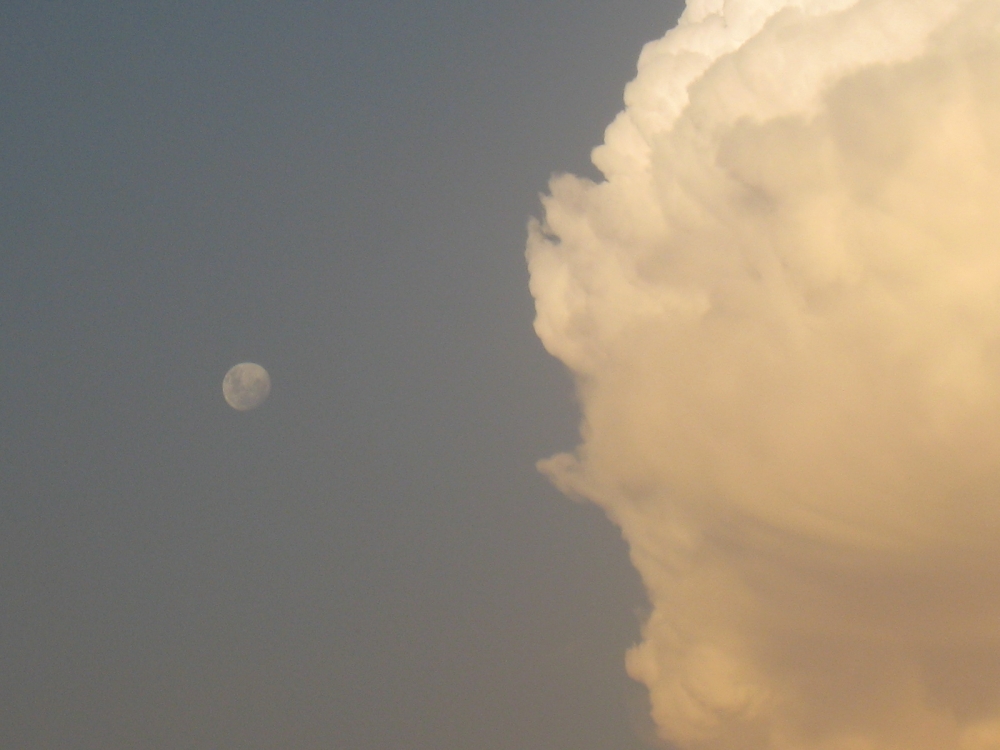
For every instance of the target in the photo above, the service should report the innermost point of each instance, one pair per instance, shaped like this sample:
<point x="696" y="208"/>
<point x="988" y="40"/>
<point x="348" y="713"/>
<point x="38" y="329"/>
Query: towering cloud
<point x="782" y="308"/>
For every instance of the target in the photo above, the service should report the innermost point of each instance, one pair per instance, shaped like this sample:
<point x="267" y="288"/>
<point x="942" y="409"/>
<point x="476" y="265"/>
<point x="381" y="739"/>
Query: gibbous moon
<point x="245" y="386"/>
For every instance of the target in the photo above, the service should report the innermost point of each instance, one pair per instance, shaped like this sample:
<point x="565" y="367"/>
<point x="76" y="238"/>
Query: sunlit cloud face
<point x="782" y="307"/>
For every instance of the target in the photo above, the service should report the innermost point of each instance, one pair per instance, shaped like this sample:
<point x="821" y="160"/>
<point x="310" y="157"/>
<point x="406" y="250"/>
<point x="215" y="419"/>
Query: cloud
<point x="782" y="309"/>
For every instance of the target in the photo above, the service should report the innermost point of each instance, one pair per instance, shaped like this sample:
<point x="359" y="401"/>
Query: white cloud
<point x="783" y="309"/>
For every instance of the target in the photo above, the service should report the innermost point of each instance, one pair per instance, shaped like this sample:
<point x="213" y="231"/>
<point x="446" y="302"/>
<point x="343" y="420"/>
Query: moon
<point x="245" y="386"/>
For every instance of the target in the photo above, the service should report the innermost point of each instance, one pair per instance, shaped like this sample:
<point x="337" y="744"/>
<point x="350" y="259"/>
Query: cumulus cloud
<point x="782" y="308"/>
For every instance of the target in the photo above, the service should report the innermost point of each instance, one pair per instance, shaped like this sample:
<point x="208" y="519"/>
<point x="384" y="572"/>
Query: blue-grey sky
<point x="338" y="192"/>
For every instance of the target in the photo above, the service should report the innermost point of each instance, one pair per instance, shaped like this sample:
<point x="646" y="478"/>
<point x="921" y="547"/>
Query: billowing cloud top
<point x="782" y="307"/>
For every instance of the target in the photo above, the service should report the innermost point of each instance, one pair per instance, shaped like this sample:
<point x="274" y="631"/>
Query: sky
<point x="338" y="192"/>
<point x="634" y="375"/>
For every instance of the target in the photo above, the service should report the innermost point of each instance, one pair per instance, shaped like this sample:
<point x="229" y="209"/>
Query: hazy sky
<point x="339" y="192"/>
